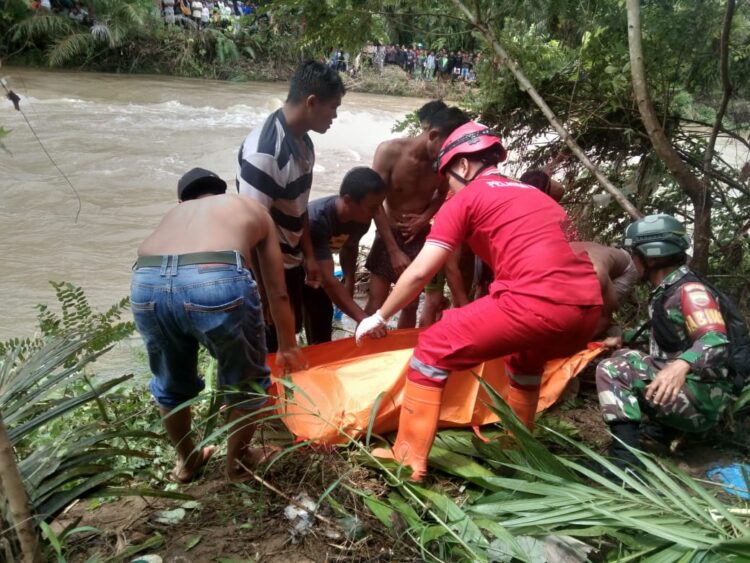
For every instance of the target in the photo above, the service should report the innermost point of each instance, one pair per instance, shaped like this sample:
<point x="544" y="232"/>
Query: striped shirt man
<point x="274" y="170"/>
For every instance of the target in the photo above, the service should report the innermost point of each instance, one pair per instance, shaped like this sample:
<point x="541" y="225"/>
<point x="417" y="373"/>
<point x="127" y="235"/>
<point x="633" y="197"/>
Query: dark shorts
<point x="176" y="309"/>
<point x="379" y="261"/>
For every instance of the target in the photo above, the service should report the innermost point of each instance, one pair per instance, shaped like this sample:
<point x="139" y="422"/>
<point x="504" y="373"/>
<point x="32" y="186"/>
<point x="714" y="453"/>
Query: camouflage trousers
<point x="621" y="382"/>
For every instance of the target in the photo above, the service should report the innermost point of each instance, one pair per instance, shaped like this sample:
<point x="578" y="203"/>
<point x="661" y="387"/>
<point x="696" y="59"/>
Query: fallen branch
<point x="527" y="87"/>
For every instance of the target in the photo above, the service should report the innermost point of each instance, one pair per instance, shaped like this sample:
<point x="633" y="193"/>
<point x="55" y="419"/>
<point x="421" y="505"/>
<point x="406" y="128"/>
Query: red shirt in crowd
<point x="523" y="235"/>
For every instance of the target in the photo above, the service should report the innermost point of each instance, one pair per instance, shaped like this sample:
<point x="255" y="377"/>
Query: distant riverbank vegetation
<point x="133" y="36"/>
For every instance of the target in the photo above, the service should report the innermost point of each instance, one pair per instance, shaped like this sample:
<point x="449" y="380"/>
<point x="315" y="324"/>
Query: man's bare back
<point x="211" y="223"/>
<point x="609" y="263"/>
<point x="613" y="261"/>
<point x="411" y="183"/>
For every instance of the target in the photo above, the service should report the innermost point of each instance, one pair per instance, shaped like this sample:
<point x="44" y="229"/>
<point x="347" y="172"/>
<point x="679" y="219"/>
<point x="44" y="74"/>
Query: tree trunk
<point x="696" y="189"/>
<point x="527" y="87"/>
<point x="12" y="486"/>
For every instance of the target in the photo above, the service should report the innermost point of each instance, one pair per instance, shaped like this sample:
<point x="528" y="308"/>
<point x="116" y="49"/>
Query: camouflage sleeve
<point x="705" y="327"/>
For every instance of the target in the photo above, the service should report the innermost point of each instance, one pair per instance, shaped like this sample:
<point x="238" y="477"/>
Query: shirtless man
<point x="191" y="286"/>
<point x="414" y="193"/>
<point x="617" y="275"/>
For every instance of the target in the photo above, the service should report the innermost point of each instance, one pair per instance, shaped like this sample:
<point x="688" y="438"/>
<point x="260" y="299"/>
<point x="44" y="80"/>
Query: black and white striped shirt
<point x="273" y="171"/>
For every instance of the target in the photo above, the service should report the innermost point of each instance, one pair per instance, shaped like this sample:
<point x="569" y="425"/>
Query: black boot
<point x="624" y="433"/>
<point x="658" y="437"/>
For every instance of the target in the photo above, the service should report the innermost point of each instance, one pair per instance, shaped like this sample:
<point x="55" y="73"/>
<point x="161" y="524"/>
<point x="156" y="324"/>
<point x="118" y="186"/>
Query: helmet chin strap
<point x="465" y="181"/>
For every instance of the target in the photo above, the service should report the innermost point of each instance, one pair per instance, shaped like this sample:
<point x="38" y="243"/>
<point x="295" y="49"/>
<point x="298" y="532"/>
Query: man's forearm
<point x="306" y="239"/>
<point x="338" y="293"/>
<point x="348" y="260"/>
<point x="281" y="311"/>
<point x="455" y="280"/>
<point x="435" y="204"/>
<point x="430" y="259"/>
<point x="258" y="275"/>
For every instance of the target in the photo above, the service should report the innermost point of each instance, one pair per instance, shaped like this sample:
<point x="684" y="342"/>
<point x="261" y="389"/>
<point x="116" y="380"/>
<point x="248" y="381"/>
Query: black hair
<point x="361" y="181"/>
<point x="430" y="109"/>
<point x="537" y="178"/>
<point x="488" y="157"/>
<point x="314" y="78"/>
<point x="447" y="120"/>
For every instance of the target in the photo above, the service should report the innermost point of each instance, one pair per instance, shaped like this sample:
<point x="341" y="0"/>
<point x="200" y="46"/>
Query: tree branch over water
<point x="527" y="87"/>
<point x="725" y="83"/>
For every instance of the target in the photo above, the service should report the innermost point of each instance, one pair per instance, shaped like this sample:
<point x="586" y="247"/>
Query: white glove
<point x="368" y="325"/>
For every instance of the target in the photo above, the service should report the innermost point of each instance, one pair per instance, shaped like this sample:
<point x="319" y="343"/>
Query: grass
<point x="509" y="499"/>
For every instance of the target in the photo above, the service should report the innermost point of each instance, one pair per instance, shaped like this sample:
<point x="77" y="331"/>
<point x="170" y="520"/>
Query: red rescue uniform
<point x="544" y="301"/>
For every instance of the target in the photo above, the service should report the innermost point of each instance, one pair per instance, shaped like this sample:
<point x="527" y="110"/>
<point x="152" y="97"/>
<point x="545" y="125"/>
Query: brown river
<point x="124" y="141"/>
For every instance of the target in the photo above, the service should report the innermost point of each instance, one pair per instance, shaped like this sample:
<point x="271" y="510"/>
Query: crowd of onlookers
<point x="186" y="12"/>
<point x="418" y="62"/>
<point x="78" y="11"/>
<point x="204" y="14"/>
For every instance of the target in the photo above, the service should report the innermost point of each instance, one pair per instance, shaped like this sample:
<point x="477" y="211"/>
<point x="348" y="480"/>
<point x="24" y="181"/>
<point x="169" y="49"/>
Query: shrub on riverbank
<point x="394" y="81"/>
<point x="129" y="37"/>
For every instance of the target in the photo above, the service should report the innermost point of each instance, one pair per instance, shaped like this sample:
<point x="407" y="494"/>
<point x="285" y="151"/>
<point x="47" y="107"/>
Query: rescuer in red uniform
<point x="544" y="301"/>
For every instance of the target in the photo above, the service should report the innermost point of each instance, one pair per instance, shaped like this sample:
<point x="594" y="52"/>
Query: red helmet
<point x="471" y="137"/>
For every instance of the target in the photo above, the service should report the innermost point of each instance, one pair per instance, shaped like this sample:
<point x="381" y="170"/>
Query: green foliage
<point x="73" y="436"/>
<point x="520" y="501"/>
<point x="65" y="41"/>
<point x="4" y="133"/>
<point x="76" y="317"/>
<point x="576" y="55"/>
<point x="130" y="36"/>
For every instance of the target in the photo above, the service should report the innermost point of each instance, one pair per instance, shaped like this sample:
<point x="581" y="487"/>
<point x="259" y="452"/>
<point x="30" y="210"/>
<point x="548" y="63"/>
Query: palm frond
<point x="101" y="32"/>
<point x="66" y="49"/>
<point x="42" y="25"/>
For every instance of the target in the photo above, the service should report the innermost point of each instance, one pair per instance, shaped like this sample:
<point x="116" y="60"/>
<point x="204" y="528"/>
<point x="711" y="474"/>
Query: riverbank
<point x="250" y="51"/>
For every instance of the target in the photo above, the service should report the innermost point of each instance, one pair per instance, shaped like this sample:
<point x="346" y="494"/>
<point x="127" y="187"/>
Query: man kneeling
<point x="191" y="286"/>
<point x="683" y="383"/>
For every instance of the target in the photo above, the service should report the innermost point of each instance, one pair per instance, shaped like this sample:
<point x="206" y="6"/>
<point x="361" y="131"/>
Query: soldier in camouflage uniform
<point x="683" y="382"/>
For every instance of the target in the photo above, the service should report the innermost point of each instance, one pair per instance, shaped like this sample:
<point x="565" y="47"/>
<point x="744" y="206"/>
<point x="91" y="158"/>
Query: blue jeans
<point x="176" y="308"/>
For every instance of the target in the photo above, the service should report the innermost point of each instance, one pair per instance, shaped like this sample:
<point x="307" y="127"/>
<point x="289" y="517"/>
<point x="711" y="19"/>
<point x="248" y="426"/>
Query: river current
<point x="123" y="141"/>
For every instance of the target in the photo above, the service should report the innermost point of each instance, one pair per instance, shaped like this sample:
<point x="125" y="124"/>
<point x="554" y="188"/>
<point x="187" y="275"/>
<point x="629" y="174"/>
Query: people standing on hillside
<point x="429" y="66"/>
<point x="275" y="168"/>
<point x="197" y="7"/>
<point x="337" y="223"/>
<point x="168" y="11"/>
<point x="414" y="193"/>
<point x="379" y="57"/>
<point x="419" y="66"/>
<point x="683" y="383"/>
<point x="192" y="286"/>
<point x="544" y="301"/>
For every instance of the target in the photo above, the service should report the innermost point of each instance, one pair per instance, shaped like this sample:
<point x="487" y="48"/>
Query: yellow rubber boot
<point x="417" y="426"/>
<point x="524" y="402"/>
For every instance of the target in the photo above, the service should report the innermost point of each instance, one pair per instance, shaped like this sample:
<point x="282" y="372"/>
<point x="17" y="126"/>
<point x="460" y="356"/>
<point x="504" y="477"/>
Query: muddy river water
<point x="124" y="141"/>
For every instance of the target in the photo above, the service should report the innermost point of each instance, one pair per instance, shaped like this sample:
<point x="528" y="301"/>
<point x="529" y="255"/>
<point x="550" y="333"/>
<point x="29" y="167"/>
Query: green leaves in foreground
<point x="520" y="502"/>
